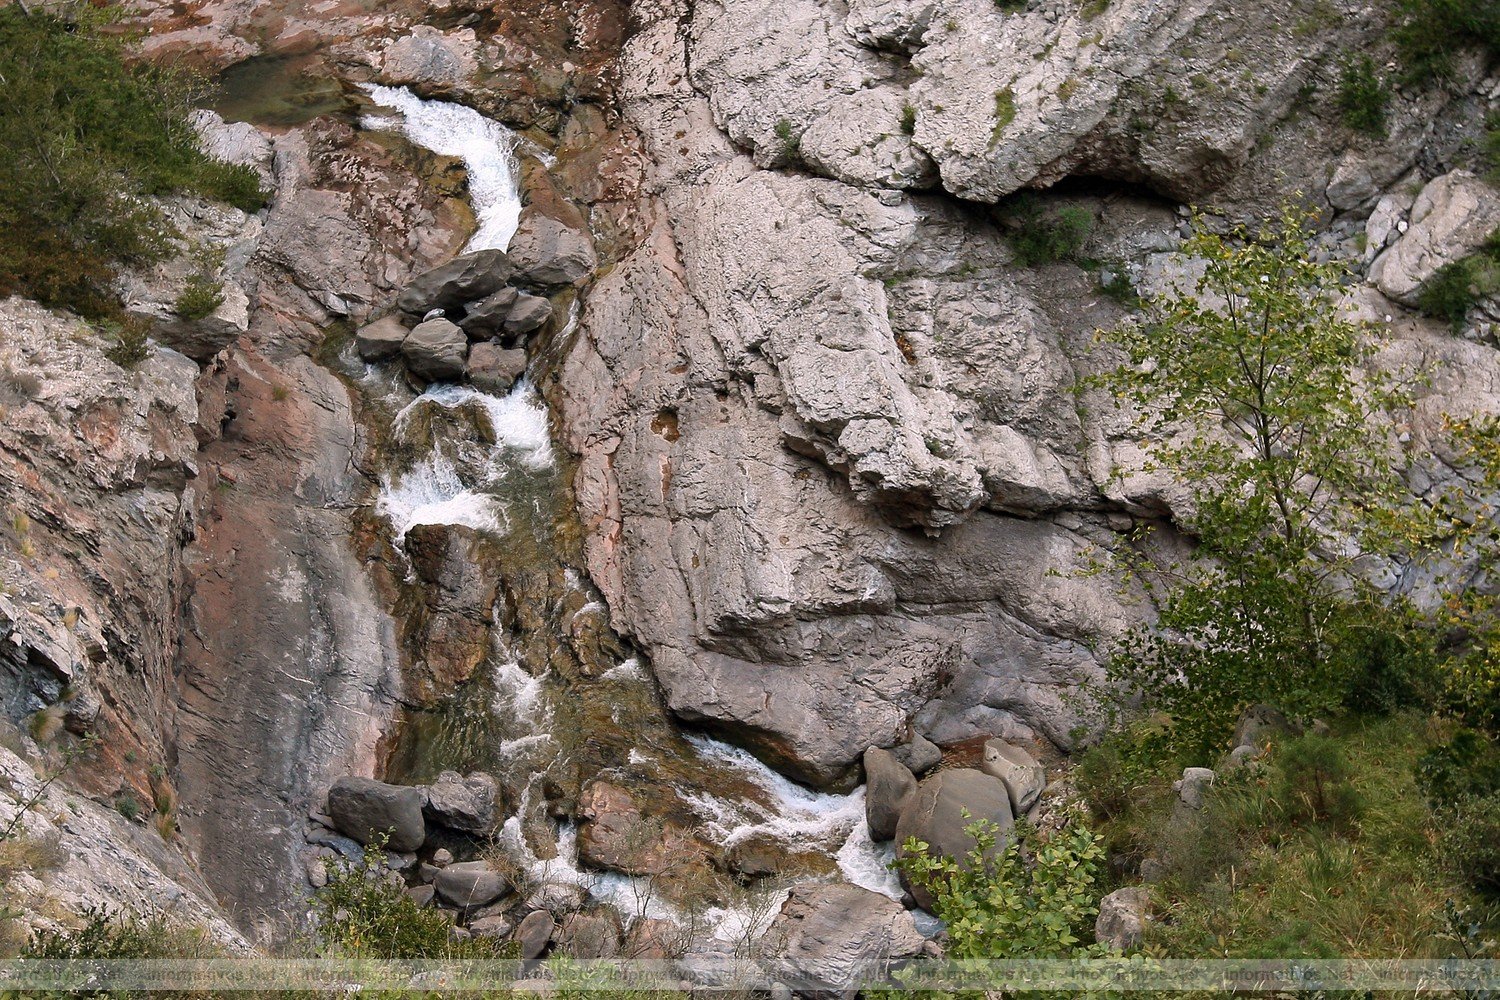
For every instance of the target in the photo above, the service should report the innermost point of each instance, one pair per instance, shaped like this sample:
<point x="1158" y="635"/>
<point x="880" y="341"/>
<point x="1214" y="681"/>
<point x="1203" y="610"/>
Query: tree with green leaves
<point x="1256" y="390"/>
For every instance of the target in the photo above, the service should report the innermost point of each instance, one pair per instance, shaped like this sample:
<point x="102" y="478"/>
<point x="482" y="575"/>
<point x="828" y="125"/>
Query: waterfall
<point x="486" y="147"/>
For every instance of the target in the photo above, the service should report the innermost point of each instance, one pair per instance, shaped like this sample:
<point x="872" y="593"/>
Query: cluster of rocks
<point x="471" y="317"/>
<point x="938" y="808"/>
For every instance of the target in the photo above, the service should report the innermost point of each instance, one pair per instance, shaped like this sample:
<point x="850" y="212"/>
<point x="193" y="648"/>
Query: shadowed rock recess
<point x="647" y="383"/>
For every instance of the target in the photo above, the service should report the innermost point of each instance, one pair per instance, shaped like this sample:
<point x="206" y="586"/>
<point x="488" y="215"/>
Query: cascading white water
<point x="486" y="147"/>
<point x="433" y="491"/>
<point x="797" y="817"/>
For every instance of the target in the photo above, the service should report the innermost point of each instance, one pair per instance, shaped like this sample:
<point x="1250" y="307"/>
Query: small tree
<point x="1255" y="390"/>
<point x="1010" y="905"/>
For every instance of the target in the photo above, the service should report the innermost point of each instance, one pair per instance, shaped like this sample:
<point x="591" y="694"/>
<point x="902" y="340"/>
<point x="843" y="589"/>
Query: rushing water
<point x="459" y="456"/>
<point x="486" y="147"/>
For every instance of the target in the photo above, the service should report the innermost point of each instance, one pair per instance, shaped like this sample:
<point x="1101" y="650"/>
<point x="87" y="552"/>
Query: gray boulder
<point x="920" y="755"/>
<point x="943" y="805"/>
<point x="363" y="808"/>
<point x="888" y="786"/>
<point x="828" y="936"/>
<point x="381" y="339"/>
<point x="533" y="933"/>
<point x="1193" y="787"/>
<point x="463" y="279"/>
<point x="464" y="803"/>
<point x="1024" y="778"/>
<point x="1261" y="725"/>
<point x="486" y="318"/>
<point x="591" y="935"/>
<point x="1122" y="919"/>
<point x="494" y="369"/>
<point x="548" y="252"/>
<point x="436" y="350"/>
<point x="470" y="883"/>
<point x="530" y="312"/>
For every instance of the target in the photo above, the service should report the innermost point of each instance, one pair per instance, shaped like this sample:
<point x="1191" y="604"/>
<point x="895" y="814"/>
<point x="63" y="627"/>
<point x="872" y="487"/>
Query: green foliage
<point x="791" y="142"/>
<point x="1005" y="113"/>
<point x="129" y="341"/>
<point x="1430" y="32"/>
<point x="1363" y="97"/>
<point x="84" y="141"/>
<point x="1458" y="287"/>
<point x="1004" y="904"/>
<point x="200" y="297"/>
<point x="1489" y="149"/>
<point x="1313" y="785"/>
<point x="1011" y="6"/>
<point x="129" y="806"/>
<point x="1467" y="766"/>
<point x="908" y="120"/>
<point x="1039" y="236"/>
<point x="1469" y="843"/>
<point x="364" y="912"/>
<point x="1251" y="387"/>
<point x="1248" y="883"/>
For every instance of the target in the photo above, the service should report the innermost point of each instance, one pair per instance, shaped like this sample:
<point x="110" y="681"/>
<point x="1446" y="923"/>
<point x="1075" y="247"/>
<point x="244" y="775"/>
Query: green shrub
<point x="364" y="912"/>
<point x="1467" y="766"/>
<point x="1469" y="842"/>
<point x="1363" y="97"/>
<point x="1430" y="32"/>
<point x="200" y="297"/>
<point x="1039" y="237"/>
<point x="129" y="806"/>
<point x="129" y="341"/>
<point x="85" y="141"/>
<point x="1313" y="783"/>
<point x="1006" y="905"/>
<point x="791" y="142"/>
<point x="908" y="120"/>
<point x="1458" y="287"/>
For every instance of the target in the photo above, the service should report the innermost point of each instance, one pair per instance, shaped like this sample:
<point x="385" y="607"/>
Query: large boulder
<point x="1023" y="777"/>
<point x="381" y="339"/>
<point x="436" y="350"/>
<point x="530" y="312"/>
<point x="590" y="935"/>
<point x="614" y="834"/>
<point x="494" y="369"/>
<point x="1122" y="918"/>
<point x="470" y="883"/>
<point x="888" y="786"/>
<point x="1261" y="725"/>
<point x="940" y="811"/>
<point x="828" y="936"/>
<point x="363" y="808"/>
<point x="486" y="318"/>
<point x="534" y="932"/>
<point x="466" y="803"/>
<point x="463" y="279"/>
<point x="920" y="755"/>
<point x="548" y="252"/>
<point x="1452" y="217"/>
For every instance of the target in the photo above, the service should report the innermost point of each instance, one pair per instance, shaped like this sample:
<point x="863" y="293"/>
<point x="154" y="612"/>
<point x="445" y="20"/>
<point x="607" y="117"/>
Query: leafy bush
<point x="129" y="342"/>
<point x="908" y="120"/>
<point x="1430" y="32"/>
<point x="791" y="142"/>
<point x="1008" y="905"/>
<point x="1363" y="97"/>
<point x="200" y="297"/>
<point x="1469" y="842"/>
<point x="1262" y="408"/>
<point x="84" y="142"/>
<point x="1467" y="766"/>
<point x="1458" y="287"/>
<point x="1313" y="783"/>
<point x="1038" y="236"/>
<point x="364" y="912"/>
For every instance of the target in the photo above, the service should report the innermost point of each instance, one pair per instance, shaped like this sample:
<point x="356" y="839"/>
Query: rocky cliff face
<point x="835" y="479"/>
<point x="840" y="478"/>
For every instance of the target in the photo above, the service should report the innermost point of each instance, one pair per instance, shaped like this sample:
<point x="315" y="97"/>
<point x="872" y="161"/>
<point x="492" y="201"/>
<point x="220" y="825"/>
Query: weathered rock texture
<point x="838" y="481"/>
